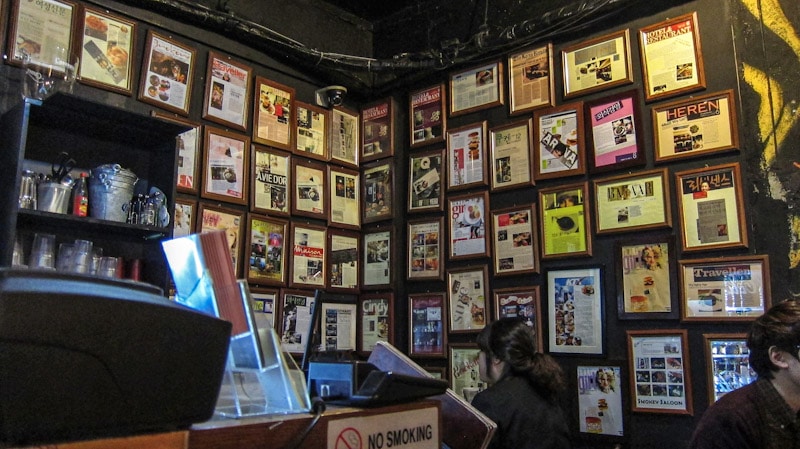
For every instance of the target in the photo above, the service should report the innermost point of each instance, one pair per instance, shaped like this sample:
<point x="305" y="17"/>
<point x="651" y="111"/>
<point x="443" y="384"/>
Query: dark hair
<point x="779" y="327"/>
<point x="514" y="342"/>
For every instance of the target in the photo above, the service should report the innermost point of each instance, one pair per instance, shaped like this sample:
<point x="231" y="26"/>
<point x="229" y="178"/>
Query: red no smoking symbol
<point x="348" y="438"/>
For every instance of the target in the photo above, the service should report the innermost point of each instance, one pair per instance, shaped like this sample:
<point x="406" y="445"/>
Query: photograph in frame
<point x="727" y="364"/>
<point x="466" y="156"/>
<point x="167" y="73"/>
<point x="377" y="130"/>
<point x="710" y="203"/>
<point x="427" y="116"/>
<point x="266" y="246"/>
<point x="463" y="369"/>
<point x="477" y="88"/>
<point x="672" y="58"/>
<point x="377" y="182"/>
<point x="734" y="288"/>
<point x="559" y="144"/>
<point x="293" y="321"/>
<point x="510" y="150"/>
<point x="614" y="135"/>
<point x="523" y="303"/>
<point x="344" y="265"/>
<point x="468" y="227"/>
<point x="224" y="161"/>
<point x="597" y="64"/>
<point x="189" y="145"/>
<point x="636" y="202"/>
<point x="184" y="217"/>
<point x="273" y="123"/>
<point x="600" y="400"/>
<point x="215" y="218"/>
<point x="378" y="257"/>
<point x="264" y="303"/>
<point x="375" y="320"/>
<point x="514" y="241"/>
<point x="428" y="325"/>
<point x="107" y="48"/>
<point x="344" y="210"/>
<point x="564" y="221"/>
<point x="695" y="127"/>
<point x="646" y="270"/>
<point x="659" y="371"/>
<point x="575" y="311"/>
<point x="228" y="91"/>
<point x="309" y="256"/>
<point x="311" y="131"/>
<point x="343" y="140"/>
<point x="270" y="179"/>
<point x="467" y="299"/>
<point x="309" y="188"/>
<point x="425" y="249"/>
<point x="29" y="42"/>
<point x="531" y="80"/>
<point x="338" y="325"/>
<point x="426" y="177"/>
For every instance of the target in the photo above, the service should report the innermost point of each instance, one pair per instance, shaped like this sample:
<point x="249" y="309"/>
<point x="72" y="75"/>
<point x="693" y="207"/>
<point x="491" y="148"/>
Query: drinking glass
<point x="42" y="251"/>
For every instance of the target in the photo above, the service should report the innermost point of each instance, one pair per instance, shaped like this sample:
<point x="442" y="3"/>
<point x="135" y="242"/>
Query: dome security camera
<point x="330" y="96"/>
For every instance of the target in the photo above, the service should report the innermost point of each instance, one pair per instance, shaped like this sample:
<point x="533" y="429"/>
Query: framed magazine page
<point x="184" y="217"/>
<point x="521" y="302"/>
<point x="377" y="130"/>
<point x="672" y="60"/>
<point x="344" y="248"/>
<point x="190" y="148"/>
<point x="637" y="202"/>
<point x="646" y="271"/>
<point x="514" y="241"/>
<point x="308" y="261"/>
<point x="107" y="47"/>
<point x="338" y="325"/>
<point x="426" y="176"/>
<point x="597" y="64"/>
<point x="228" y="91"/>
<point x="477" y="88"/>
<point x="264" y="303"/>
<point x="733" y="288"/>
<point x="660" y="378"/>
<point x="427" y="325"/>
<point x="166" y="78"/>
<point x="600" y="400"/>
<point x="711" y="205"/>
<point x="266" y="246"/>
<point x="375" y="320"/>
<point x="467" y="299"/>
<point x="224" y="161"/>
<point x="559" y="148"/>
<point x="615" y="132"/>
<point x="293" y="319"/>
<point x="377" y="182"/>
<point x="344" y="138"/>
<point x="31" y="42"/>
<point x="424" y="254"/>
<point x="511" y="163"/>
<point x="530" y="79"/>
<point x="309" y="188"/>
<point x="378" y="256"/>
<point x="575" y="311"/>
<point x="468" y="228"/>
<point x="463" y="369"/>
<point x="212" y="218"/>
<point x="695" y="127"/>
<point x="270" y="178"/>
<point x="311" y="131"/>
<point x="727" y="364"/>
<point x="273" y="123"/>
<point x="345" y="198"/>
<point x="466" y="157"/>
<point x="564" y="221"/>
<point x="427" y="115"/>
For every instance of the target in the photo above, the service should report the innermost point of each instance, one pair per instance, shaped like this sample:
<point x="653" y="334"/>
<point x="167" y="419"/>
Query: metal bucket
<point x="110" y="191"/>
<point x="53" y="197"/>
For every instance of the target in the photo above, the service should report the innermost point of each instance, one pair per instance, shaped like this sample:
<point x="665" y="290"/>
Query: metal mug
<point x="27" y="190"/>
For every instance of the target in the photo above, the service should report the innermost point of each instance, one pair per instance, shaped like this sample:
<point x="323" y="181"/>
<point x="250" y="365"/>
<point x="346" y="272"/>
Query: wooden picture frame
<point x="264" y="303"/>
<point x="426" y="181"/>
<point x="270" y="180"/>
<point x="377" y="129"/>
<point x="427" y="115"/>
<point x="614" y="134"/>
<point x="344" y="197"/>
<point x="293" y="319"/>
<point x="344" y="265"/>
<point x="308" y="267"/>
<point x="665" y="71"/>
<point x="660" y="375"/>
<point x="597" y="64"/>
<point x="572" y="332"/>
<point x="463" y="369"/>
<point x="338" y="326"/>
<point x="695" y="127"/>
<point x="28" y="44"/>
<point x="227" y="78"/>
<point x="711" y="206"/>
<point x="510" y="148"/>
<point x="377" y="184"/>
<point x="184" y="217"/>
<point x="515" y="245"/>
<point x="523" y="303"/>
<point x="189" y="145"/>
<point x="646" y="271"/>
<point x="218" y="218"/>
<point x="468" y="228"/>
<point x="559" y="143"/>
<point x="425" y="246"/>
<point x="108" y="45"/>
<point x="468" y="299"/>
<point x="427" y="325"/>
<point x="477" y="88"/>
<point x="375" y="320"/>
<point x="273" y="123"/>
<point x="309" y="188"/>
<point x="166" y="79"/>
<point x="311" y="131"/>
<point x="343" y="137"/>
<point x="531" y="84"/>
<point x="466" y="157"/>
<point x="564" y="221"/>
<point x="600" y="400"/>
<point x="267" y="250"/>
<point x="727" y="364"/>
<point x="734" y="288"/>
<point x="226" y="156"/>
<point x="379" y="253"/>
<point x="632" y="202"/>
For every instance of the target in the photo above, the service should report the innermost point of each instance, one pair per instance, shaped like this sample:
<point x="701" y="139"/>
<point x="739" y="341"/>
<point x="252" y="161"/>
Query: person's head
<point x="650" y="257"/>
<point x="778" y="330"/>
<point x="605" y="380"/>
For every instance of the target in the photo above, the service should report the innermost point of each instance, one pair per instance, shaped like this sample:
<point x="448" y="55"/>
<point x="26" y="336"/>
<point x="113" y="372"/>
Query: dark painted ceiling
<point x="373" y="10"/>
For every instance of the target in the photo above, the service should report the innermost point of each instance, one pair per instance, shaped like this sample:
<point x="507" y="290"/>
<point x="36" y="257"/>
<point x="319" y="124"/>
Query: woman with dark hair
<point x="523" y="396"/>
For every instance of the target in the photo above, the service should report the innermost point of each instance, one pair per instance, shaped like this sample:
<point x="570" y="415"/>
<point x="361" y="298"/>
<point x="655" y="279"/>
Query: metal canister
<point x="27" y="190"/>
